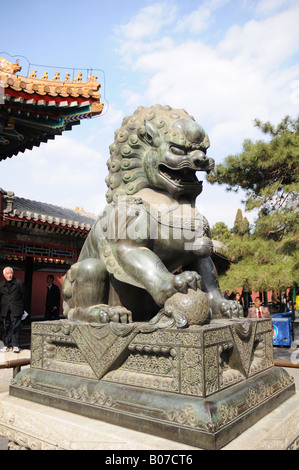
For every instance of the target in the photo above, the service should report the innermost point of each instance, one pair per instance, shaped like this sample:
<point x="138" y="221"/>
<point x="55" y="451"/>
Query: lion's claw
<point x="226" y="309"/>
<point x="185" y="280"/>
<point x="106" y="314"/>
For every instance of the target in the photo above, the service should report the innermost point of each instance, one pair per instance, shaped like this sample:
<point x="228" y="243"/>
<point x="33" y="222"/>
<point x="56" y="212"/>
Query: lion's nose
<point x="199" y="159"/>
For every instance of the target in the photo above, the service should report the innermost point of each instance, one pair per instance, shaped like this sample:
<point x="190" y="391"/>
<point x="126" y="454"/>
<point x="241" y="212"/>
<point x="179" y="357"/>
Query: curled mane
<point x="126" y="174"/>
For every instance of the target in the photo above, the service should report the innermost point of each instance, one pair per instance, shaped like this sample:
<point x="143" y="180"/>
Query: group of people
<point x="13" y="301"/>
<point x="255" y="311"/>
<point x="282" y="300"/>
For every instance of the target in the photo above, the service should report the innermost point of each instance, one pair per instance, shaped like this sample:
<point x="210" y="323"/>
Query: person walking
<point x="12" y="298"/>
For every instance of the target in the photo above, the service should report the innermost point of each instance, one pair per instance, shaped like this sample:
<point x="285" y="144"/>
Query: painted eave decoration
<point x="34" y="110"/>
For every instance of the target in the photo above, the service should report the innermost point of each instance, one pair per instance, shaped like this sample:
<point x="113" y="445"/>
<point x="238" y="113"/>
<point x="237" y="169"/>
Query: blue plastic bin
<point x="282" y="329"/>
<point x="282" y="315"/>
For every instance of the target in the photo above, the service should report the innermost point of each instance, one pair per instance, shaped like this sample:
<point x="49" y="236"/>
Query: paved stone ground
<point x="5" y="377"/>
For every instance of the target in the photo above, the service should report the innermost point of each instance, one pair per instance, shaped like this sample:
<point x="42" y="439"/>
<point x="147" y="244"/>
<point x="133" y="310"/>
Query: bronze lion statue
<point x="150" y="243"/>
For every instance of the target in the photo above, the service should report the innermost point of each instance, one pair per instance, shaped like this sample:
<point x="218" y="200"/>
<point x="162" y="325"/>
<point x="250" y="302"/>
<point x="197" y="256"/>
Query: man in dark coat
<point x="12" y="298"/>
<point x="52" y="300"/>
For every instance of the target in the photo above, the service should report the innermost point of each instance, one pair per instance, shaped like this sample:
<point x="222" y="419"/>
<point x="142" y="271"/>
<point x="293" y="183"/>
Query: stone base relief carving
<point x="198" y="381"/>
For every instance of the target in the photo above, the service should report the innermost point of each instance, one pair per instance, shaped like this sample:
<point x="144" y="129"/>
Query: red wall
<point x="39" y="291"/>
<point x="18" y="274"/>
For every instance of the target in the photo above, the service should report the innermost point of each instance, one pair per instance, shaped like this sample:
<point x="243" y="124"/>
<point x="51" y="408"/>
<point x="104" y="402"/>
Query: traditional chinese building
<point x="37" y="239"/>
<point x="34" y="110"/>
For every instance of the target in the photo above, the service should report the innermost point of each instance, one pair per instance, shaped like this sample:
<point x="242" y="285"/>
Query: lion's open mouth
<point x="180" y="177"/>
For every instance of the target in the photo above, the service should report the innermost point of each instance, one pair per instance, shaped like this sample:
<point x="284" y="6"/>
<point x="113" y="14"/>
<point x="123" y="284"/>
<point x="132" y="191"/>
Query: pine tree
<point x="241" y="224"/>
<point x="237" y="228"/>
<point x="268" y="172"/>
<point x="220" y="232"/>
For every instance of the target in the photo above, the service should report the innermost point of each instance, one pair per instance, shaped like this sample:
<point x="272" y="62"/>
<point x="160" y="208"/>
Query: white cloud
<point x="140" y="34"/>
<point x="199" y="20"/>
<point x="241" y="78"/>
<point x="195" y="22"/>
<point x="66" y="171"/>
<point x="265" y="43"/>
<point x="250" y="73"/>
<point x="148" y="21"/>
<point x="266" y="7"/>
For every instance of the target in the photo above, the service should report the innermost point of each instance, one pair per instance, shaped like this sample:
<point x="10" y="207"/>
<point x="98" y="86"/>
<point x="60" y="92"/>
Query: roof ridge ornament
<point x="44" y="85"/>
<point x="9" y="67"/>
<point x="9" y="197"/>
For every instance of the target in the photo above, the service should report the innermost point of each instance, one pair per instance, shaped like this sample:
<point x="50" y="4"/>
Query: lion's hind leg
<point x="84" y="286"/>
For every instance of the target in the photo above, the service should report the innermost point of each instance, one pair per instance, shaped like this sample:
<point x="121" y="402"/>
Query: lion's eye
<point x="177" y="150"/>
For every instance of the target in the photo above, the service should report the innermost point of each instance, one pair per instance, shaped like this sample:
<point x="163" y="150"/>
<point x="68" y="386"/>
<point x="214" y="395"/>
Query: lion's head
<point x="157" y="147"/>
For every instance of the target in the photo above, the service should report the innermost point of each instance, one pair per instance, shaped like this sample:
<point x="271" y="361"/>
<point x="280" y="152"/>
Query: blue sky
<point x="226" y="62"/>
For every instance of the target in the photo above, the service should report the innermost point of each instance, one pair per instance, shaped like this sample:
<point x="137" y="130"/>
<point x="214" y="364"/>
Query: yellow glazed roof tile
<point x="45" y="86"/>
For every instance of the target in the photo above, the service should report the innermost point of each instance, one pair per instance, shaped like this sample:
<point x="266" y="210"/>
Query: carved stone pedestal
<point x="202" y="386"/>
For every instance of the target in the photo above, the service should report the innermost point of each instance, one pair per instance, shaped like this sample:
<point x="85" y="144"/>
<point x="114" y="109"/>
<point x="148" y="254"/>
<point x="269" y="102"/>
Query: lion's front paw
<point x="106" y="314"/>
<point x="226" y="309"/>
<point x="187" y="280"/>
<point x="116" y="314"/>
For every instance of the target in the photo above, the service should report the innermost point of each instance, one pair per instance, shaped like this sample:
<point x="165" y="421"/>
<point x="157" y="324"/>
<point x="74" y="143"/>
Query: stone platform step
<point x="30" y="425"/>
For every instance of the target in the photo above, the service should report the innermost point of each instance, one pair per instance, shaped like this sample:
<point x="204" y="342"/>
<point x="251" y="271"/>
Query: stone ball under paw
<point x="194" y="305"/>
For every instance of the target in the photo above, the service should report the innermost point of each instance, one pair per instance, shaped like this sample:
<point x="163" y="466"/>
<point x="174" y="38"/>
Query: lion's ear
<point x="152" y="134"/>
